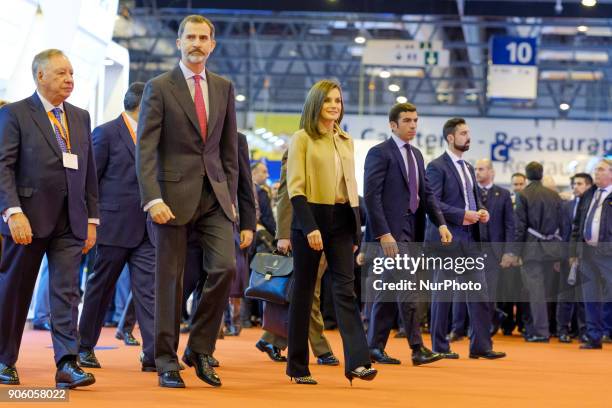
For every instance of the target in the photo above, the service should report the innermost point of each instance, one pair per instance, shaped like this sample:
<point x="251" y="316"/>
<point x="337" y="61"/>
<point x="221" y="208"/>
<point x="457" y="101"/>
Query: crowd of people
<point x="155" y="216"/>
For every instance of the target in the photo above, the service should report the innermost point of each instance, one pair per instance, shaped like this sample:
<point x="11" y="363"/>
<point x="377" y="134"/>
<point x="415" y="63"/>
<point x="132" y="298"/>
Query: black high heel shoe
<point x="304" y="380"/>
<point x="366" y="374"/>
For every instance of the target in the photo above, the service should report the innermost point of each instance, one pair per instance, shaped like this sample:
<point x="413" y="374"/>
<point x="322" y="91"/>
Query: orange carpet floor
<point x="533" y="375"/>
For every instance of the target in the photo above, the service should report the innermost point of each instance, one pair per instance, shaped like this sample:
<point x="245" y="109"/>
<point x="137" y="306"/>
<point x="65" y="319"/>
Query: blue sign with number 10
<point x="513" y="50"/>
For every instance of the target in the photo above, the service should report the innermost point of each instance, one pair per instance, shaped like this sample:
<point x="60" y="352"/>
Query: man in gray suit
<point x="187" y="168"/>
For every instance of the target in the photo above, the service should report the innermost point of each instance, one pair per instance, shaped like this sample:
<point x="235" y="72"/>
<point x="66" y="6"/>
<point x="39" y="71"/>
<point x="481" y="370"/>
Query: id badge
<point x="71" y="161"/>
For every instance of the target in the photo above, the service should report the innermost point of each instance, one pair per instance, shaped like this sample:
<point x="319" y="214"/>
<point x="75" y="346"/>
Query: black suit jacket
<point x="32" y="174"/>
<point x="605" y="225"/>
<point x="246" y="199"/>
<point x="539" y="208"/>
<point x="172" y="160"/>
<point x="500" y="228"/>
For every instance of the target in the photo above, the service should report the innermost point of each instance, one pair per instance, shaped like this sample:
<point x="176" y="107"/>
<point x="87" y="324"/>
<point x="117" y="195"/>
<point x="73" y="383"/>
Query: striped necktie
<point x="57" y="112"/>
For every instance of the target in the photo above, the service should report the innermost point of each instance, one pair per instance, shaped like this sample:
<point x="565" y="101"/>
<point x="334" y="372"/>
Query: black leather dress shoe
<point x="489" y="355"/>
<point x="273" y="352"/>
<point x="111" y="324"/>
<point x="127" y="338"/>
<point x="589" y="345"/>
<point x="42" y="326"/>
<point x="70" y="375"/>
<point x="381" y="357"/>
<point x="401" y="334"/>
<point x="171" y="379"/>
<point x="537" y="339"/>
<point x="202" y="367"/>
<point x="424" y="356"/>
<point x="146" y="366"/>
<point x="449" y="355"/>
<point x="8" y="375"/>
<point x="213" y="361"/>
<point x="454" y="336"/>
<point x="185" y="328"/>
<point x="565" y="338"/>
<point x="88" y="359"/>
<point x="328" y="359"/>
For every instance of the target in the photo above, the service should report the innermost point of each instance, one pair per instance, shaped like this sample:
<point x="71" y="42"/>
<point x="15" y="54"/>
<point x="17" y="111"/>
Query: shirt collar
<point x="48" y="105"/>
<point x="488" y="186"/>
<point x="188" y="74"/>
<point x="133" y="123"/>
<point x="399" y="142"/>
<point x="453" y="156"/>
<point x="608" y="190"/>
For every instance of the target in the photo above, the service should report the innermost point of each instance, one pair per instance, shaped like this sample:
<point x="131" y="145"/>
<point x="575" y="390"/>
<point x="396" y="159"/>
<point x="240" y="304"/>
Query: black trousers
<point x="337" y="226"/>
<point x="100" y="290"/>
<point x="18" y="272"/>
<point x="216" y="237"/>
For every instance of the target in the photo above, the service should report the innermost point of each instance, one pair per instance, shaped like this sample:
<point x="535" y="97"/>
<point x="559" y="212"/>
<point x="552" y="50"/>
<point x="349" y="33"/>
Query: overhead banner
<point x="405" y="53"/>
<point x="513" y="71"/>
<point x="563" y="147"/>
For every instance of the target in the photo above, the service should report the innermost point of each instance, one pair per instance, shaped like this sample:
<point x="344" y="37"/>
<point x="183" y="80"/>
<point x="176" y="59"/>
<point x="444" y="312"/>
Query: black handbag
<point x="271" y="278"/>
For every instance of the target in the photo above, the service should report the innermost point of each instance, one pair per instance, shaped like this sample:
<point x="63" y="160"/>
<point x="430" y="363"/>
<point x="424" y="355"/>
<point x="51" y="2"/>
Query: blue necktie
<point x="468" y="187"/>
<point x="57" y="112"/>
<point x="588" y="228"/>
<point x="412" y="180"/>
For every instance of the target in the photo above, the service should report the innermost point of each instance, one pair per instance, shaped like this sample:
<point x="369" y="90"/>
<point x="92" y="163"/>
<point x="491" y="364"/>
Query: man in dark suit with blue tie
<point x="453" y="183"/>
<point x="49" y="204"/>
<point x="397" y="197"/>
<point x="122" y="236"/>
<point x="592" y="239"/>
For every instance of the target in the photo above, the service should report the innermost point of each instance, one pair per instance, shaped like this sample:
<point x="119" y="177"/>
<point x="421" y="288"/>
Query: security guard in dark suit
<point x="538" y="215"/>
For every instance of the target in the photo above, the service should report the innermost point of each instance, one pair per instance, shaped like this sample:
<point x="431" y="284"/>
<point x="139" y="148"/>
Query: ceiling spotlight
<point x="240" y="98"/>
<point x="267" y="135"/>
<point x="564" y="106"/>
<point x="589" y="3"/>
<point x="260" y="131"/>
<point x="279" y="143"/>
<point x="401" y="99"/>
<point x="394" y="88"/>
<point x="582" y="29"/>
<point x="360" y="39"/>
<point x="384" y="74"/>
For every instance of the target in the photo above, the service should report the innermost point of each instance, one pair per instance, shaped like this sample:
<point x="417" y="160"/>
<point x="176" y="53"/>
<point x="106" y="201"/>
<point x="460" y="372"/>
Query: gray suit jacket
<point x="171" y="159"/>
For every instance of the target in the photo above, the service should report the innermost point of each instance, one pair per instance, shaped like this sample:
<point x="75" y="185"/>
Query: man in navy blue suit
<point x="592" y="238"/>
<point x="453" y="182"/>
<point x="397" y="197"/>
<point x="49" y="203"/>
<point x="498" y="235"/>
<point x="568" y="299"/>
<point x="122" y="237"/>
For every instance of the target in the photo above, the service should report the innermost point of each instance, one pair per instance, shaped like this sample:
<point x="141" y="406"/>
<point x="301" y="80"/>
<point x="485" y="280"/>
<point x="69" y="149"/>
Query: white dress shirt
<point x="455" y="159"/>
<point x="400" y="145"/>
<point x="48" y="106"/>
<point x="188" y="74"/>
<point x="597" y="217"/>
<point x="133" y="123"/>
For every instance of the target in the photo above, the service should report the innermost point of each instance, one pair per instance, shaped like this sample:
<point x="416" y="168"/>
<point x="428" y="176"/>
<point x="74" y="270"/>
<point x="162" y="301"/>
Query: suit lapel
<point x="398" y="158"/>
<point x="453" y="169"/>
<point x="181" y="92"/>
<point x="214" y="98"/>
<point x="124" y="134"/>
<point x="42" y="121"/>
